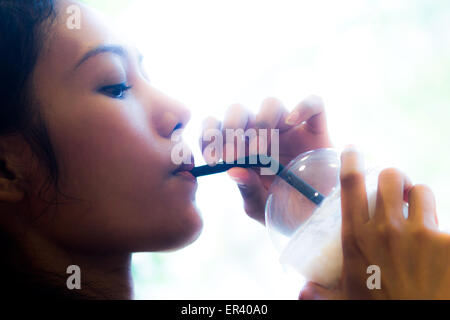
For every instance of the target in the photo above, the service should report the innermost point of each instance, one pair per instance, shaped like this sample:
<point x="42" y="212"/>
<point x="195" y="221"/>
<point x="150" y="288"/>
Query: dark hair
<point x="21" y="33"/>
<point x="23" y="24"/>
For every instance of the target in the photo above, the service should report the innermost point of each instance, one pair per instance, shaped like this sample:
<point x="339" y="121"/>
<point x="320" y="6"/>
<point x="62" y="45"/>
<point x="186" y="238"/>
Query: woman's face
<point x="113" y="145"/>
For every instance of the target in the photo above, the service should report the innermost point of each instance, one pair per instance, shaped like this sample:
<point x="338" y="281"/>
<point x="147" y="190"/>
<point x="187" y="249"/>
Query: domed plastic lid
<point x="287" y="209"/>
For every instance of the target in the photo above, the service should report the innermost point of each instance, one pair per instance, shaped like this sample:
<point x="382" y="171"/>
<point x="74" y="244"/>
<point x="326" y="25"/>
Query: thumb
<point x="314" y="291"/>
<point x="252" y="190"/>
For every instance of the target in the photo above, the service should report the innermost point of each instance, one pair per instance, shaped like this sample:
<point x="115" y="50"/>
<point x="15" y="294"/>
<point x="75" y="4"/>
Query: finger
<point x="253" y="192"/>
<point x="271" y="112"/>
<point x="392" y="184"/>
<point x="314" y="291"/>
<point x="236" y="117"/>
<point x="269" y="117"/>
<point x="422" y="206"/>
<point x="312" y="111"/>
<point x="354" y="204"/>
<point x="211" y="130"/>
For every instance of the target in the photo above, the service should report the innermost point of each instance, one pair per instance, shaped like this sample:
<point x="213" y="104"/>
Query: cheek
<point x="106" y="145"/>
<point x="121" y="171"/>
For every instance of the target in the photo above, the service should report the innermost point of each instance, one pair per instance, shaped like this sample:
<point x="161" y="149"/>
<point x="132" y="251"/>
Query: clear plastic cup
<point x="308" y="236"/>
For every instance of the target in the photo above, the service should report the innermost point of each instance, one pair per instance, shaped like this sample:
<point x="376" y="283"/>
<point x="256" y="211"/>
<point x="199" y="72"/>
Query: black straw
<point x="263" y="161"/>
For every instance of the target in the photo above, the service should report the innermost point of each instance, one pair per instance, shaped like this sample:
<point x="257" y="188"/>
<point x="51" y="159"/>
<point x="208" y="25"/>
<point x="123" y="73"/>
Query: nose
<point x="169" y="115"/>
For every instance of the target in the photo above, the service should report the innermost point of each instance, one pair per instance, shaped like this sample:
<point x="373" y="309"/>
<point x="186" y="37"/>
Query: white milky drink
<point x="309" y="236"/>
<point x="315" y="249"/>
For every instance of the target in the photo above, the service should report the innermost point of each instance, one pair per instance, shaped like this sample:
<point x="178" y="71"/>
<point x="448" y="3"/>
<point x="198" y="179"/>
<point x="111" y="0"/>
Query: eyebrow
<point x="119" y="50"/>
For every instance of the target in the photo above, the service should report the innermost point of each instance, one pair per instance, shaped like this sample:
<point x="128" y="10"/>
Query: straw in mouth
<point x="263" y="161"/>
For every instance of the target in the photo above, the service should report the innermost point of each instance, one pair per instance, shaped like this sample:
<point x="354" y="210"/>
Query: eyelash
<point x="123" y="87"/>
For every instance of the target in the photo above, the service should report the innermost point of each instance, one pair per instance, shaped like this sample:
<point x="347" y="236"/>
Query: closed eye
<point x="117" y="91"/>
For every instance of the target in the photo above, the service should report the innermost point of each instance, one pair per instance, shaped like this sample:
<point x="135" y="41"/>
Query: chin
<point x="175" y="235"/>
<point x="189" y="231"/>
<point x="190" y="237"/>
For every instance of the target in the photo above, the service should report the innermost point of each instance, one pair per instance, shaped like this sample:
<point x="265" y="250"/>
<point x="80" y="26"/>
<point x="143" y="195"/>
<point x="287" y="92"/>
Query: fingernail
<point x="292" y="118"/>
<point x="352" y="160"/>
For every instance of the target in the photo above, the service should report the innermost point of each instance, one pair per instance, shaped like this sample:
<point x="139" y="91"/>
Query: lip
<point x="184" y="169"/>
<point x="186" y="175"/>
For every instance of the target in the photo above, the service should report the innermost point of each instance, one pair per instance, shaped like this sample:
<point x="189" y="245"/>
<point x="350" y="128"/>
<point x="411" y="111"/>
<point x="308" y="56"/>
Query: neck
<point x="102" y="276"/>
